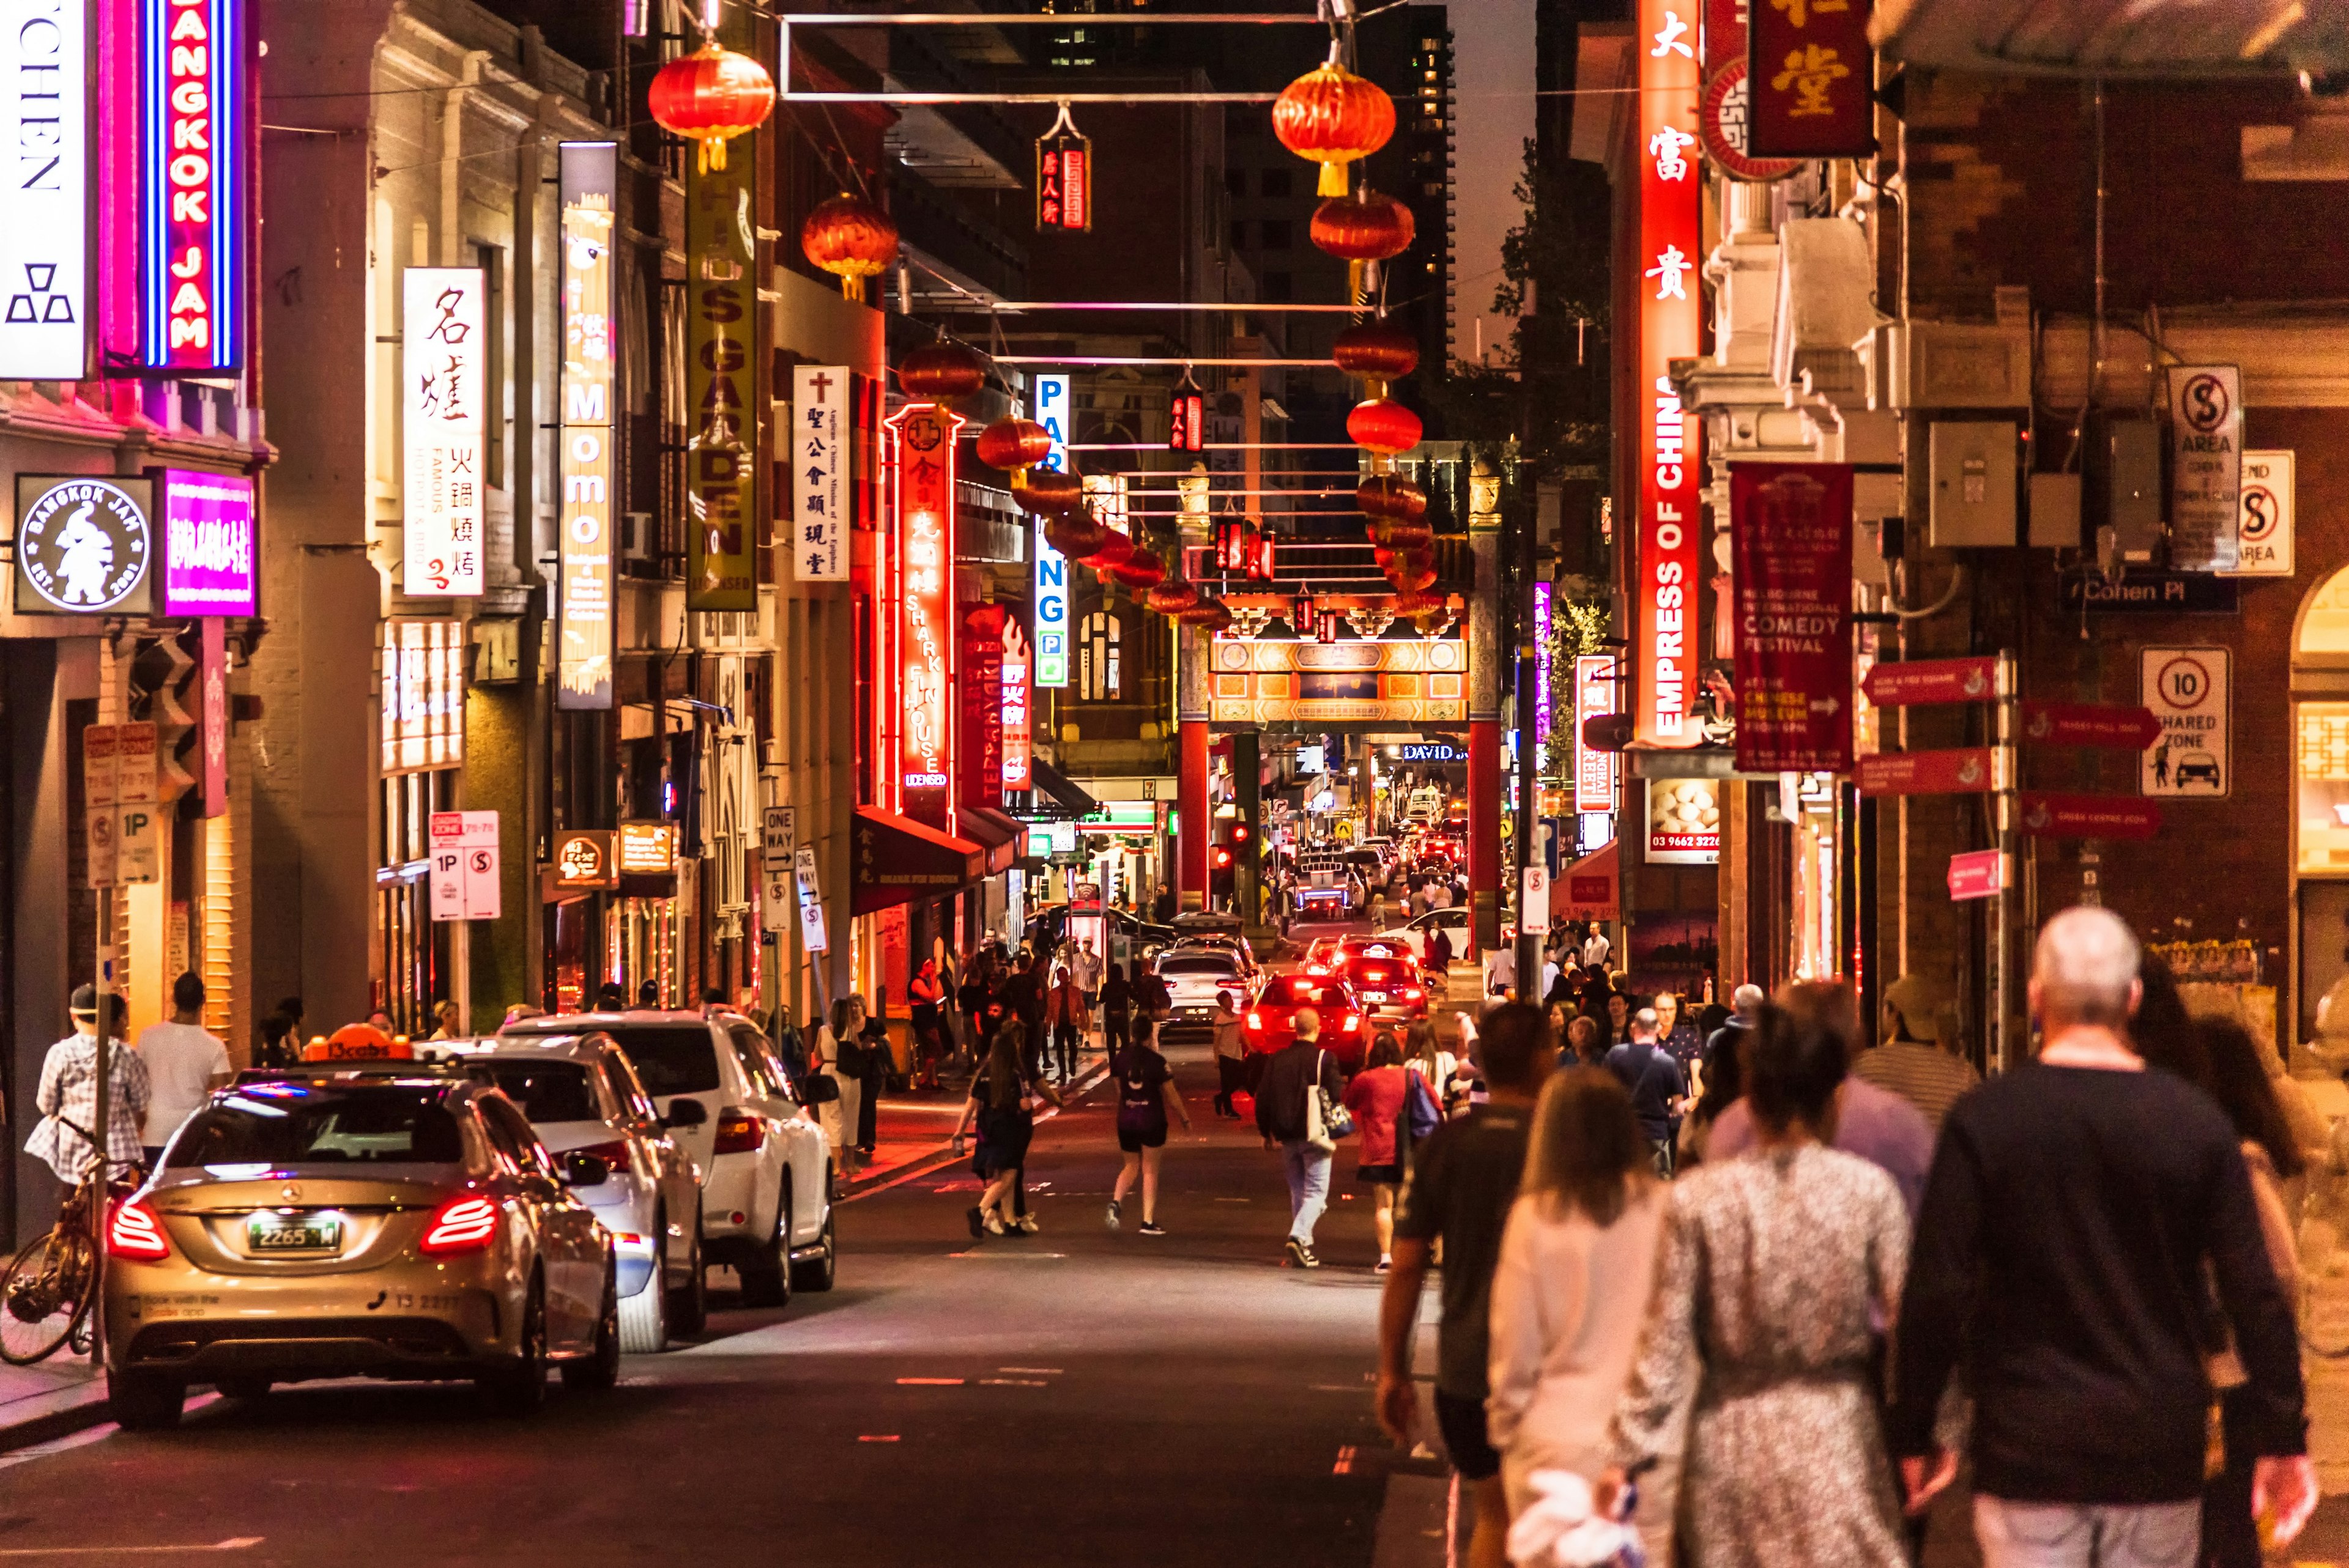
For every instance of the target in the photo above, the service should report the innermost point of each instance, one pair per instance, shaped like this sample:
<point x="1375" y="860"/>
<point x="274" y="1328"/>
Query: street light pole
<point x="1530" y="652"/>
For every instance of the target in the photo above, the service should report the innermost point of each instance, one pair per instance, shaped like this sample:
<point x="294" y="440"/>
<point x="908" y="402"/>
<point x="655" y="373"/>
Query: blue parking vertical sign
<point x="1051" y="637"/>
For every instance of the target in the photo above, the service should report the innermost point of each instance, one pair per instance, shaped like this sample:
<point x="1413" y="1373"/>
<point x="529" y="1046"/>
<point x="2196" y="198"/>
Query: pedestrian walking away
<point x="1909" y="1059"/>
<point x="185" y="1065"/>
<point x="67" y="1096"/>
<point x="1775" y="1273"/>
<point x="1231" y="1054"/>
<point x="1299" y="1082"/>
<point x="1653" y="1080"/>
<point x="1002" y="1108"/>
<point x="2080" y="1213"/>
<point x="1116" y="1012"/>
<point x="1464" y="1180"/>
<point x="1377" y="1097"/>
<point x="1570" y="1293"/>
<point x="1145" y="1095"/>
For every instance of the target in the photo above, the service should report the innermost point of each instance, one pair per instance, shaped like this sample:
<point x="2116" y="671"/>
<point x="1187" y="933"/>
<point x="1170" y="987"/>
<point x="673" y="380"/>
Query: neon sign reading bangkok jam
<point x="191" y="148"/>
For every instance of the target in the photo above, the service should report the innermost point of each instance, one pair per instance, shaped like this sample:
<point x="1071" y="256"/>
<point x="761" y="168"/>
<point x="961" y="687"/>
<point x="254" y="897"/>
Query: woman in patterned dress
<point x="1774" y="1272"/>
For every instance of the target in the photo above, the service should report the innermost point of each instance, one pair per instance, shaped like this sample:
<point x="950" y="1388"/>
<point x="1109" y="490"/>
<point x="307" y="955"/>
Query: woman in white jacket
<point x="1570" y="1295"/>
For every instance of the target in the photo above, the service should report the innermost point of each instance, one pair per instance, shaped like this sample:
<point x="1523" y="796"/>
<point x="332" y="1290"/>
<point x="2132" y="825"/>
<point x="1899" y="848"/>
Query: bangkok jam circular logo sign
<point x="82" y="545"/>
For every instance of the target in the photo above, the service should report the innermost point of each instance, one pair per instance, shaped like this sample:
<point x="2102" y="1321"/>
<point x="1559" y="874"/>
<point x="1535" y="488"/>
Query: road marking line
<point x="1033" y="1371"/>
<point x="975" y="1253"/>
<point x="878" y="1438"/>
<point x="1235" y="1200"/>
<point x="1013" y="1383"/>
<point x="1335" y="1387"/>
<point x="934" y="1382"/>
<point x="1345" y="1465"/>
<point x="233" y="1543"/>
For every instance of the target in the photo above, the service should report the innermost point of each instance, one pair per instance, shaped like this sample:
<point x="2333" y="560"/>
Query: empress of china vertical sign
<point x="721" y="381"/>
<point x="43" y="242"/>
<point x="191" y="155"/>
<point x="1667" y="282"/>
<point x="589" y="169"/>
<point x="441" y="367"/>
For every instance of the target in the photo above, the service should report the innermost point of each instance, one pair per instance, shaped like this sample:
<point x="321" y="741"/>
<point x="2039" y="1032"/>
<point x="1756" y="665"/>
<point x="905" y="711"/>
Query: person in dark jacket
<point x="1116" y="1012"/>
<point x="1283" y="1118"/>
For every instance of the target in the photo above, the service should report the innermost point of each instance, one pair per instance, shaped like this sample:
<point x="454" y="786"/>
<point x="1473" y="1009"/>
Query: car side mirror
<point x="685" y="1113"/>
<point x="585" y="1170"/>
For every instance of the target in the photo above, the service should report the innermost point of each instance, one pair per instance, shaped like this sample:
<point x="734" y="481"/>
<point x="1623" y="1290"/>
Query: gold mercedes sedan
<point x="392" y="1220"/>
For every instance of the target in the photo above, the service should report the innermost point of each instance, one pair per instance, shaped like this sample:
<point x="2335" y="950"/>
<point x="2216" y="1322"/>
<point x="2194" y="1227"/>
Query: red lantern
<point x="942" y="370"/>
<point x="1418" y="603"/>
<point x="1113" y="552"/>
<point x="1053" y="492"/>
<point x="1259" y="563"/>
<point x="710" y="97"/>
<point x="1073" y="534"/>
<point x="1332" y="117"/>
<point x="1170" y="598"/>
<point x="1014" y="444"/>
<point x="1144" y="570"/>
<point x="1324" y="627"/>
<point x="1392" y="497"/>
<point x="1209" y="612"/>
<point x="1300" y="615"/>
<point x="1378" y="351"/>
<point x="1412" y="574"/>
<point x="1234" y="545"/>
<point x="1384" y="426"/>
<point x="1374" y="229"/>
<point x="851" y="238"/>
<point x="1393" y="533"/>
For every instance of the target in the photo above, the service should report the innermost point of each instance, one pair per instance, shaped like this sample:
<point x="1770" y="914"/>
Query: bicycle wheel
<point x="44" y="1296"/>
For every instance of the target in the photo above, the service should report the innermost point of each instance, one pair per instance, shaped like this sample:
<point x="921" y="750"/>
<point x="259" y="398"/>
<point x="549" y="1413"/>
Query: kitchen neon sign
<point x="922" y="468"/>
<point x="192" y="240"/>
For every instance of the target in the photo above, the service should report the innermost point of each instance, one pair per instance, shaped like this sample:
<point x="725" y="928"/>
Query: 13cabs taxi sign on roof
<point x="359" y="1043"/>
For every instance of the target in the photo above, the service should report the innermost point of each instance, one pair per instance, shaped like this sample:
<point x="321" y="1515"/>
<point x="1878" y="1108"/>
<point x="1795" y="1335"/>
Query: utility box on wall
<point x="2127" y="480"/>
<point x="1971" y="468"/>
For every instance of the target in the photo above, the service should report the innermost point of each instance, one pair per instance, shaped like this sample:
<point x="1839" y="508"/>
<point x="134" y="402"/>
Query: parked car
<point x="1271" y="1024"/>
<point x="766" y="1168"/>
<point x="1455" y="922"/>
<point x="1194" y="978"/>
<point x="395" y="1220"/>
<point x="582" y="1095"/>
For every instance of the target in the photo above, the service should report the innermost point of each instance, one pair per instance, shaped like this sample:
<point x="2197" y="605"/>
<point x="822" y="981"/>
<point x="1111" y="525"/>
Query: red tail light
<point x="133" y="1232"/>
<point x="1412" y="993"/>
<point x="738" y="1132"/>
<point x="464" y="1224"/>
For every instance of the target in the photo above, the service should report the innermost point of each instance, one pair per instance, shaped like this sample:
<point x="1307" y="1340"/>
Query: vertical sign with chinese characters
<point x="1186" y="422"/>
<point x="2206" y="466"/>
<point x="589" y="171"/>
<point x="1664" y="650"/>
<point x="1790" y="538"/>
<point x="192" y="209"/>
<point x="1542" y="613"/>
<point x="818" y="460"/>
<point x="441" y="317"/>
<point x="209" y="564"/>
<point x="980" y="678"/>
<point x="45" y="293"/>
<point x="1812" y="79"/>
<point x="721" y="379"/>
<point x="211" y="677"/>
<point x="1594" y="698"/>
<point x="1018" y="724"/>
<point x="1064" y="179"/>
<point x="1051" y="567"/>
<point x="921" y="480"/>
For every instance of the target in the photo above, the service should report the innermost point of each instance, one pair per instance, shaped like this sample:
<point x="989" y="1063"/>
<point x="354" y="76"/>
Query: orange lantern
<point x="1392" y="497"/>
<point x="942" y="370"/>
<point x="1383" y="426"/>
<point x="1377" y="350"/>
<point x="1374" y="229"/>
<point x="1014" y="445"/>
<point x="1053" y="492"/>
<point x="1412" y="574"/>
<point x="1212" y="614"/>
<point x="710" y="96"/>
<point x="1171" y="598"/>
<point x="1076" y="535"/>
<point x="850" y="238"/>
<point x="1396" y="534"/>
<point x="1331" y="117"/>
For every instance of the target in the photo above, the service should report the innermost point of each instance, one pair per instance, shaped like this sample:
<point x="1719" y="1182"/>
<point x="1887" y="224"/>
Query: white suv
<point x="1455" y="922"/>
<point x="766" y="1168"/>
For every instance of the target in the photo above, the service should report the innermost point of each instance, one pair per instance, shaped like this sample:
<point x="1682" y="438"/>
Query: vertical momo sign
<point x="922" y="480"/>
<point x="1051" y="567"/>
<point x="443" y="332"/>
<point x="584" y="664"/>
<point x="192" y="186"/>
<point x="44" y="295"/>
<point x="721" y="382"/>
<point x="1670" y="314"/>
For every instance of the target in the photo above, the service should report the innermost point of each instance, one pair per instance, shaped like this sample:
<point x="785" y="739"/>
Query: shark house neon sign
<point x="191" y="194"/>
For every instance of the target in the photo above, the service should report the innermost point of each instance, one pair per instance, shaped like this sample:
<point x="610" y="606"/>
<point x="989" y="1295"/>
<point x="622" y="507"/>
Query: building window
<point x="1279" y="234"/>
<point x="1277" y="288"/>
<point x="1235" y="181"/>
<point x="1239" y="234"/>
<point x="1098" y="657"/>
<point x="1277" y="181"/>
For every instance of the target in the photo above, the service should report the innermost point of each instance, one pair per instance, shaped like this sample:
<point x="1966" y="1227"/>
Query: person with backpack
<point x="999" y="1105"/>
<point x="1145" y="1093"/>
<point x="1380" y="1096"/>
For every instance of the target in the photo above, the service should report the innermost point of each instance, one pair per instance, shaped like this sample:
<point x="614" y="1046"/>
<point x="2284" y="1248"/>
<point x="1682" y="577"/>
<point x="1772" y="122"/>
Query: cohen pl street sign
<point x="2090" y="724"/>
<point x="1965" y="770"/>
<point x="1918" y="681"/>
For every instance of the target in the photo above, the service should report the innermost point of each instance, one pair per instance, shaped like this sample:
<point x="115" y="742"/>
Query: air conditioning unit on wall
<point x="1948" y="365"/>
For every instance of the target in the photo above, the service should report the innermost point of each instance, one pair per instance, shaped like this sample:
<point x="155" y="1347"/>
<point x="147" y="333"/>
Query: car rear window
<point x="546" y="1091"/>
<point x="1296" y="992"/>
<point x="1199" y="963"/>
<point x="671" y="1059"/>
<point x="275" y="1125"/>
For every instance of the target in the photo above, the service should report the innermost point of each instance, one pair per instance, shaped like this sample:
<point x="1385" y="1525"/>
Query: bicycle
<point x="50" y="1285"/>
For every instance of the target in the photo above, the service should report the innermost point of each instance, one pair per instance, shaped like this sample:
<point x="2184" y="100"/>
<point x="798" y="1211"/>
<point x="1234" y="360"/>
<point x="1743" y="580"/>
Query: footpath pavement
<point x="54" y="1399"/>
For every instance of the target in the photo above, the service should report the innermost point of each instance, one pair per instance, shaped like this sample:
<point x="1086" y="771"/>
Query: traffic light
<point x="1219" y="871"/>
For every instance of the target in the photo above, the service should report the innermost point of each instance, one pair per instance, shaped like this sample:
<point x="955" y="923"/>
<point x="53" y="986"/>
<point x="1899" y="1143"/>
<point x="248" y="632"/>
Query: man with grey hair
<point x="2076" y="1209"/>
<point x="1290" y="1075"/>
<point x="1655" y="1083"/>
<point x="1721" y="1047"/>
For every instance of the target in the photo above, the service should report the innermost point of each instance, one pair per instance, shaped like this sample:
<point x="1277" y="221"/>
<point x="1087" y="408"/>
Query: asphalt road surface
<point x="1076" y="1397"/>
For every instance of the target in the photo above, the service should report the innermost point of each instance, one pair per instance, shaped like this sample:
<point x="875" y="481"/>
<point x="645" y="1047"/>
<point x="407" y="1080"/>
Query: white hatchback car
<point x="1194" y="977"/>
<point x="582" y="1096"/>
<point x="766" y="1167"/>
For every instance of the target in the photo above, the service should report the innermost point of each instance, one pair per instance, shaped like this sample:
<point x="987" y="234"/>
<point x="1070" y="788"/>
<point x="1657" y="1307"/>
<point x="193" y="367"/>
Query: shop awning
<point x="1056" y="795"/>
<point x="894" y="860"/>
<point x="1591" y="888"/>
<point x="999" y="835"/>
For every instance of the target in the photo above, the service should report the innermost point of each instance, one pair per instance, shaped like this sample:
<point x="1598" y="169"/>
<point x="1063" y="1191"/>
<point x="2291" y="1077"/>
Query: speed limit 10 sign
<point x="2187" y="691"/>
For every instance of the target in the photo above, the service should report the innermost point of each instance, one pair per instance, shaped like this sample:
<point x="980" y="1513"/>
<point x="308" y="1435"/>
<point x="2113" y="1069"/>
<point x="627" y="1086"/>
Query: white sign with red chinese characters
<point x="1665" y="648"/>
<point x="442" y="311"/>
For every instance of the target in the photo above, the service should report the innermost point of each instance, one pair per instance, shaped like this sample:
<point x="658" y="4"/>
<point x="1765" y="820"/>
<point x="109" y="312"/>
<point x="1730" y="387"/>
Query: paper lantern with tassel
<point x="710" y="96"/>
<point x="1142" y="569"/>
<point x="850" y="238"/>
<point x="1377" y="350"/>
<point x="1358" y="232"/>
<point x="1053" y="492"/>
<point x="1014" y="446"/>
<point x="1113" y="552"/>
<point x="1392" y="497"/>
<point x="1331" y="117"/>
<point x="1383" y="426"/>
<point x="941" y="371"/>
<point x="1170" y="597"/>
